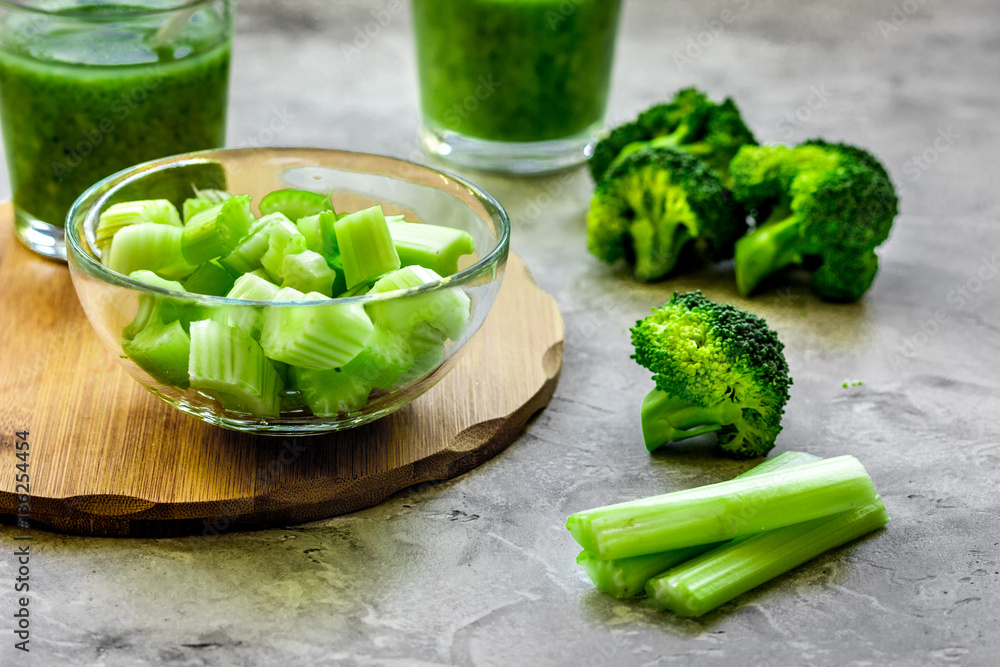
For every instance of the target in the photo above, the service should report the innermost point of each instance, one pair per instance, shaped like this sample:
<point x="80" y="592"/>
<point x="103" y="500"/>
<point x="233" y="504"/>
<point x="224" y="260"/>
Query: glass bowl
<point x="307" y="401"/>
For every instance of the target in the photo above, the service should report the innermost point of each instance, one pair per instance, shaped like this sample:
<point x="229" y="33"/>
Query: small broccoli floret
<point x="822" y="206"/>
<point x="691" y="122"/>
<point x="717" y="369"/>
<point x="655" y="203"/>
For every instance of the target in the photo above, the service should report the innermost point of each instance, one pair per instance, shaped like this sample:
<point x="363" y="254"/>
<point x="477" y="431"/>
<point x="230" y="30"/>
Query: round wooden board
<point x="107" y="457"/>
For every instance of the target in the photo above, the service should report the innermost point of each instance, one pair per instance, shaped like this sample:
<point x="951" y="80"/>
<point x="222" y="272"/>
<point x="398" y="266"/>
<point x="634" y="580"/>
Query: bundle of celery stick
<point x="694" y="550"/>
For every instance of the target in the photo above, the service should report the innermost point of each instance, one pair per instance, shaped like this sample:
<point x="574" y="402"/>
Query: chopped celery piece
<point x="161" y="350"/>
<point x="248" y="319"/>
<point x="151" y="278"/>
<point x="230" y="366"/>
<point x="125" y="214"/>
<point x="446" y="309"/>
<point x="151" y="247"/>
<point x="196" y="205"/>
<point x="307" y="271"/>
<point x="626" y="577"/>
<point x="336" y="264"/>
<point x="283" y="240"/>
<point x="210" y="278"/>
<point x="247" y="255"/>
<point x="317" y="337"/>
<point x="714" y="578"/>
<point x="252" y="287"/>
<point x="295" y="204"/>
<point x="723" y="511"/>
<point x="365" y="246"/>
<point x="328" y="235"/>
<point x="309" y="227"/>
<point x="430" y="246"/>
<point x="427" y="344"/>
<point x="329" y="392"/>
<point x="385" y="359"/>
<point x="218" y="230"/>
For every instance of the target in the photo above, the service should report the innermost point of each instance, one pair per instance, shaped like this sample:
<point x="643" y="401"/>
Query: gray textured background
<point x="479" y="570"/>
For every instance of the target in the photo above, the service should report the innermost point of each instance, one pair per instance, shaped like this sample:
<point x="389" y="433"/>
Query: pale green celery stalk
<point x="124" y="214"/>
<point x="716" y="577"/>
<point x="723" y="511"/>
<point x="626" y="577"/>
<point x="430" y="246"/>
<point x="217" y="231"/>
<point x="365" y="246"/>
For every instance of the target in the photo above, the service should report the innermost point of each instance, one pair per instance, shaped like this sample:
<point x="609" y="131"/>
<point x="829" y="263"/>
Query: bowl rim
<point x="114" y="182"/>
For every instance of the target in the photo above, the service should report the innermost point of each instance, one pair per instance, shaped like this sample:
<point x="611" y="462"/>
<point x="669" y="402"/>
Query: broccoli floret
<point x="822" y="206"/>
<point x="717" y="369"/>
<point x="655" y="203"/>
<point x="691" y="122"/>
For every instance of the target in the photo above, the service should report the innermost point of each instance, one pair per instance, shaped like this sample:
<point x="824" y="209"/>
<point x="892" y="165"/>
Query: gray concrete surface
<point x="478" y="571"/>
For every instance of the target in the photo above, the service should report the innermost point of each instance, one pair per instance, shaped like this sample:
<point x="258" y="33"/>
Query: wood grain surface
<point x="108" y="458"/>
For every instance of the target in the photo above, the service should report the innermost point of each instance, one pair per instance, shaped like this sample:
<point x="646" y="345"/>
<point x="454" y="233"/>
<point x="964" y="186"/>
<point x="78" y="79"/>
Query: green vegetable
<point x="210" y="278"/>
<point x="366" y="247"/>
<point x="247" y="255"/>
<point x="383" y="361"/>
<point x="156" y="309"/>
<point x="307" y="271"/>
<point x="446" y="309"/>
<point x="217" y="231"/>
<point x="658" y="204"/>
<point x="318" y="337"/>
<point x="717" y="369"/>
<point x="627" y="577"/>
<point x="723" y="511"/>
<point x="700" y="585"/>
<point x="119" y="216"/>
<point x="230" y="366"/>
<point x="821" y="206"/>
<point x="329" y="392"/>
<point x="252" y="287"/>
<point x="148" y="246"/>
<point x="284" y="239"/>
<point x="161" y="350"/>
<point x="205" y="199"/>
<point x="430" y="246"/>
<point x="691" y="122"/>
<point x="294" y="204"/>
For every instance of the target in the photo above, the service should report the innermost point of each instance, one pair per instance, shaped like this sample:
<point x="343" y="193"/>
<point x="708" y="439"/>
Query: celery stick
<point x="248" y="319"/>
<point x="148" y="246"/>
<point x="246" y="257"/>
<point x="309" y="227"/>
<point x="329" y="392"/>
<point x="205" y="199"/>
<point x="446" y="309"/>
<point x="427" y="344"/>
<point x="723" y="511"/>
<point x="307" y="271"/>
<point x="627" y="577"/>
<point x="151" y="278"/>
<point x="161" y="350"/>
<point x="125" y="214"/>
<point x="284" y="239"/>
<point x="218" y="230"/>
<point x="317" y="337"/>
<point x="295" y="204"/>
<point x="385" y="359"/>
<point x="230" y="366"/>
<point x="365" y="246"/>
<point x="328" y="236"/>
<point x="430" y="246"/>
<point x="156" y="309"/>
<point x="714" y="578"/>
<point x="252" y="287"/>
<point x="210" y="278"/>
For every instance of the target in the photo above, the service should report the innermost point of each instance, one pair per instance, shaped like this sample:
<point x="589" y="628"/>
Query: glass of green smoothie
<point x="513" y="85"/>
<point x="91" y="87"/>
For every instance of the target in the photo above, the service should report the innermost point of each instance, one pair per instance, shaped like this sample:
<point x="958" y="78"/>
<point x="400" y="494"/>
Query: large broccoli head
<point x="691" y="122"/>
<point x="819" y="205"/>
<point x="655" y="203"/>
<point x="717" y="368"/>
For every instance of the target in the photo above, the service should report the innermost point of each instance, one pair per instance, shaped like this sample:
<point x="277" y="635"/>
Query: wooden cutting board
<point x="106" y="457"/>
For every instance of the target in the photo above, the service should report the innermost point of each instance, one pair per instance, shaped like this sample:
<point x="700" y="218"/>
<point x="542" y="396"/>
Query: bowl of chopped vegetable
<point x="286" y="291"/>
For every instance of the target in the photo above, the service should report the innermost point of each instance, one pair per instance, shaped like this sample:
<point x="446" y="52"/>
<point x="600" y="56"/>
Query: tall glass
<point x="90" y="88"/>
<point x="514" y="85"/>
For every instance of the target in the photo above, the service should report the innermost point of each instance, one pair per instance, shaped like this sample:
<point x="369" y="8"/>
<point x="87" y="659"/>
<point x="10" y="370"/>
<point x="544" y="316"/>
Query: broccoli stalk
<point x="717" y="369"/>
<point x="824" y="207"/>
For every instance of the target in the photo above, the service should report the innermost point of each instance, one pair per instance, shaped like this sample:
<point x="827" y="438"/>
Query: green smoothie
<point x="80" y="101"/>
<point x="515" y="70"/>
